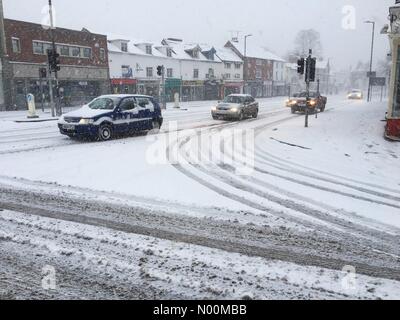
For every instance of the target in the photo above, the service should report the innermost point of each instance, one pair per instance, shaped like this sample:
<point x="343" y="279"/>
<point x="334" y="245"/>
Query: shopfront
<point x="172" y="86"/>
<point x="149" y="87"/>
<point x="232" y="88"/>
<point x="72" y="93"/>
<point x="123" y="86"/>
<point x="192" y="90"/>
<point x="212" y="90"/>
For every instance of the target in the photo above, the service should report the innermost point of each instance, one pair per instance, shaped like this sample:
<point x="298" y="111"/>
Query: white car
<point x="355" y="94"/>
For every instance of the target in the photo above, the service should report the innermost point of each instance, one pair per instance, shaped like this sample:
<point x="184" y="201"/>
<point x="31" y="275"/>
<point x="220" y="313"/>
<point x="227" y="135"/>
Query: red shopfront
<point x="232" y="88"/>
<point x="124" y="86"/>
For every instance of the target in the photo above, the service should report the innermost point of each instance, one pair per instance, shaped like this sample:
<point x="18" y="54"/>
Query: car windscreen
<point x="304" y="95"/>
<point x="234" y="99"/>
<point x="108" y="103"/>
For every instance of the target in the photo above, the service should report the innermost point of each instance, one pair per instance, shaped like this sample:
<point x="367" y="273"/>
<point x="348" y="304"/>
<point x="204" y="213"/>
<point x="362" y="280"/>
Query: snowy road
<point x="115" y="226"/>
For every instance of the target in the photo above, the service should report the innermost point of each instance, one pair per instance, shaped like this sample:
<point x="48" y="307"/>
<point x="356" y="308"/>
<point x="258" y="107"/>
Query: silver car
<point x="355" y="94"/>
<point x="236" y="107"/>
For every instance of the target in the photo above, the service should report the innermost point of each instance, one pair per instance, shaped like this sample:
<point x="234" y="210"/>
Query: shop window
<point x="63" y="50"/>
<point x="38" y="48"/>
<point x="102" y="54"/>
<point x="87" y="53"/>
<point x="149" y="72"/>
<point x="124" y="46"/>
<point x="149" y="50"/>
<point x="16" y="45"/>
<point x="170" y="73"/>
<point x="76" y="51"/>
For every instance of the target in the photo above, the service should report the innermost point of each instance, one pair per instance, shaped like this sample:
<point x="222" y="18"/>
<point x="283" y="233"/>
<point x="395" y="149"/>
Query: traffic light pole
<point x="308" y="78"/>
<point x="57" y="102"/>
<point x="164" y="102"/>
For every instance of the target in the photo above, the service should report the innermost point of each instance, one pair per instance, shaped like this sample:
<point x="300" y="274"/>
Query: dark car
<point x="237" y="107"/>
<point x="299" y="102"/>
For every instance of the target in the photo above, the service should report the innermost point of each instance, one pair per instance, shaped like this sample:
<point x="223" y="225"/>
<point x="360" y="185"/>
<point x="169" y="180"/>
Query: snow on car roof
<point x="124" y="96"/>
<point x="239" y="95"/>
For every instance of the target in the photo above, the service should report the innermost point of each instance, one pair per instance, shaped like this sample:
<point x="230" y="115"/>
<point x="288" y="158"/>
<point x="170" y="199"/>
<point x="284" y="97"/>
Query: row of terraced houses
<point x="93" y="64"/>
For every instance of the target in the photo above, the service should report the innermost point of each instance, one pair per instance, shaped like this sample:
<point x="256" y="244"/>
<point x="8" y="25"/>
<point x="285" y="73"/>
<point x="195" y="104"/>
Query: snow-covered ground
<point x="317" y="199"/>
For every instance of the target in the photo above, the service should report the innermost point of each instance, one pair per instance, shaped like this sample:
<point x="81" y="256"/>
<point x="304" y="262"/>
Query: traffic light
<point x="300" y="66"/>
<point x="54" y="60"/>
<point x="160" y="70"/>
<point x="311" y="69"/>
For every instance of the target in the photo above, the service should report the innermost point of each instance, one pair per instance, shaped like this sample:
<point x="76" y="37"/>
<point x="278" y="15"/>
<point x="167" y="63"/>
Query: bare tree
<point x="308" y="39"/>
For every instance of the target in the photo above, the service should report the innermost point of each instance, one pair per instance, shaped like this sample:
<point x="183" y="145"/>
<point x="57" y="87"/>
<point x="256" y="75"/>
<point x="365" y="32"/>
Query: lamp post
<point x="372" y="56"/>
<point x="245" y="64"/>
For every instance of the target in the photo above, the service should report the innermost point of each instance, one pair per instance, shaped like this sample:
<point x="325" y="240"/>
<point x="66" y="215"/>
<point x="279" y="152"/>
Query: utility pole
<point x="55" y="105"/>
<point x="5" y="70"/>
<point x="371" y="61"/>
<point x="164" y="98"/>
<point x="308" y="76"/>
<point x="245" y="64"/>
<point x="161" y="73"/>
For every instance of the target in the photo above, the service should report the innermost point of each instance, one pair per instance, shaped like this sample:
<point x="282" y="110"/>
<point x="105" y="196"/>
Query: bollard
<point x="176" y="99"/>
<point x="31" y="106"/>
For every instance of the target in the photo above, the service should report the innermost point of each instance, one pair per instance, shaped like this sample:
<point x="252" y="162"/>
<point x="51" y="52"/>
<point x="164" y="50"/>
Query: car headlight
<point x="234" y="110"/>
<point x="292" y="103"/>
<point x="86" y="121"/>
<point x="214" y="109"/>
<point x="312" y="103"/>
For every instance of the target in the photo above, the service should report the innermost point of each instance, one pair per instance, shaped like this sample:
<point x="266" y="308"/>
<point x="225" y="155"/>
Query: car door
<point x="128" y="116"/>
<point x="253" y="105"/>
<point x="146" y="109"/>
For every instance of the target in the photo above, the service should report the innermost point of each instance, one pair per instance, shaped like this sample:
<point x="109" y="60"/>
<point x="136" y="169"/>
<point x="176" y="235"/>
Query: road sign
<point x="378" y="81"/>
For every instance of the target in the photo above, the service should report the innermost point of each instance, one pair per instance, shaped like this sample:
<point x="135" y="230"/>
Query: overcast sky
<point x="274" y="23"/>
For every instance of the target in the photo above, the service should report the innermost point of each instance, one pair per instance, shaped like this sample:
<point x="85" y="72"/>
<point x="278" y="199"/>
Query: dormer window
<point x="169" y="52"/>
<point x="124" y="46"/>
<point x="149" y="49"/>
<point x="195" y="54"/>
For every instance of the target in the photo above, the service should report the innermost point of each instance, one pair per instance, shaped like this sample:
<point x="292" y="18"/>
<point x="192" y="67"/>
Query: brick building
<point x="84" y="62"/>
<point x="258" y="68"/>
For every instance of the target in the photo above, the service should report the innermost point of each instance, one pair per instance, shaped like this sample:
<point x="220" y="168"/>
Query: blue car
<point x="111" y="115"/>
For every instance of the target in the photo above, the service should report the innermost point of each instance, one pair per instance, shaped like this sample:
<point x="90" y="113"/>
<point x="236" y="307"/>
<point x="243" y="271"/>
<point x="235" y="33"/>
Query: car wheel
<point x="241" y="116"/>
<point x="156" y="127"/>
<point x="293" y="110"/>
<point x="105" y="132"/>
<point x="255" y="114"/>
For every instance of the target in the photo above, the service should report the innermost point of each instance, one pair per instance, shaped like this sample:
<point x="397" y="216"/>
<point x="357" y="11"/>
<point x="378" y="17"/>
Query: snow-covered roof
<point x="255" y="51"/>
<point x="227" y="54"/>
<point x="181" y="50"/>
<point x="134" y="46"/>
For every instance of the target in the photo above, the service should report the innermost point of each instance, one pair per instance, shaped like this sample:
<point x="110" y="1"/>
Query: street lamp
<point x="372" y="56"/>
<point x="245" y="62"/>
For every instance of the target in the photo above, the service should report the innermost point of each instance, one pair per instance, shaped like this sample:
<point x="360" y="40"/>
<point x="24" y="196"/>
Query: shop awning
<point x="173" y="83"/>
<point x="123" y="81"/>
